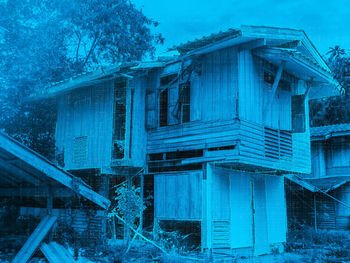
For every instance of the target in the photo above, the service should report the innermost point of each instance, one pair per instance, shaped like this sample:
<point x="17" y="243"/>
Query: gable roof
<point x="325" y="132"/>
<point x="26" y="172"/>
<point x="277" y="45"/>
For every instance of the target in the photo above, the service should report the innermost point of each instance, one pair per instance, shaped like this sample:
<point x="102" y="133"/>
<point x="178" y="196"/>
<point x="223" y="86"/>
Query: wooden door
<point x="260" y="238"/>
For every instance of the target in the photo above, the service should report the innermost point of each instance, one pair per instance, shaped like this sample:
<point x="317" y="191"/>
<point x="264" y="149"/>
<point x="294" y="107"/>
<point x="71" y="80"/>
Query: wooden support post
<point x="126" y="229"/>
<point x="104" y="191"/>
<point x="49" y="201"/>
<point x="49" y="207"/>
<point x="142" y="179"/>
<point x="315" y="212"/>
<point x="206" y="226"/>
<point x="275" y="85"/>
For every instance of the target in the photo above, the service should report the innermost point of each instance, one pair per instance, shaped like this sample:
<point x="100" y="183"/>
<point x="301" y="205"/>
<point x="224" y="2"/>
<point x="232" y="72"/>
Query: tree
<point x="334" y="110"/>
<point x="47" y="41"/>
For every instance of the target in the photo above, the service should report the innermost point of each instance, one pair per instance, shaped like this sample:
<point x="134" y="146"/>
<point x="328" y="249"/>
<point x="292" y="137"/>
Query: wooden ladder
<point x="35" y="239"/>
<point x="55" y="252"/>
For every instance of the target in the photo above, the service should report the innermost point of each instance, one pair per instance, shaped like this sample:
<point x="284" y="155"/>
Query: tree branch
<point x="94" y="43"/>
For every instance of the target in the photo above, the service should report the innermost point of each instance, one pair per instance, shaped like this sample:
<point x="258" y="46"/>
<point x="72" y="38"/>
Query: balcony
<point x="237" y="143"/>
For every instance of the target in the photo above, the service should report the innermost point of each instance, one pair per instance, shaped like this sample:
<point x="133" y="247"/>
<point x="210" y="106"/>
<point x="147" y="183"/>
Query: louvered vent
<point x="221" y="234"/>
<point x="80" y="149"/>
<point x="278" y="144"/>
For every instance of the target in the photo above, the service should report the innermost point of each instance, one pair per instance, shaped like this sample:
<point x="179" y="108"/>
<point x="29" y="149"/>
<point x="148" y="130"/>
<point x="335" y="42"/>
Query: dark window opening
<point x="298" y="113"/>
<point x="222" y="148"/>
<point x="184" y="154"/>
<point x="119" y="120"/>
<point x="163" y="107"/>
<point x="156" y="157"/>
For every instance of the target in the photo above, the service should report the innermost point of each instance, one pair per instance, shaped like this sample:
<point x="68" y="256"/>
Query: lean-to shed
<point x="25" y="173"/>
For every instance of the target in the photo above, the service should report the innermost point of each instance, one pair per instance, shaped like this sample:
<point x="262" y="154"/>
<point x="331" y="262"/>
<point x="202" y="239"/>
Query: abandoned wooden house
<point x="212" y="131"/>
<point x="322" y="198"/>
<point x="25" y="176"/>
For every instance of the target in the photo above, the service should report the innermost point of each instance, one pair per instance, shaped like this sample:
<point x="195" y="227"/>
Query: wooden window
<point x="163" y="108"/>
<point x="185" y="99"/>
<point x="298" y="113"/>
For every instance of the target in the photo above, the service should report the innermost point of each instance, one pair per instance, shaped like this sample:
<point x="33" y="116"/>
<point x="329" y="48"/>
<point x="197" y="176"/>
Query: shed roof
<point x="25" y="172"/>
<point x="319" y="185"/>
<point x="328" y="184"/>
<point x="325" y="132"/>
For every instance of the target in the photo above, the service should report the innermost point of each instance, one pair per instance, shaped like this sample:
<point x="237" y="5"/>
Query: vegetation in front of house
<point x="305" y="244"/>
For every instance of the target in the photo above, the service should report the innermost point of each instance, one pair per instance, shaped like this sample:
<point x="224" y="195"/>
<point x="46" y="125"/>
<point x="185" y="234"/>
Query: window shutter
<point x="298" y="113"/>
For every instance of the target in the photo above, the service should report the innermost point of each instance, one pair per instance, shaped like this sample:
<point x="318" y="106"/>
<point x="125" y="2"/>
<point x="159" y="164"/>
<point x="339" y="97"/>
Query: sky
<point x="327" y="23"/>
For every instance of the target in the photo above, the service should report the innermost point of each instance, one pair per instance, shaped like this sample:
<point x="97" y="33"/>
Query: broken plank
<point x="55" y="252"/>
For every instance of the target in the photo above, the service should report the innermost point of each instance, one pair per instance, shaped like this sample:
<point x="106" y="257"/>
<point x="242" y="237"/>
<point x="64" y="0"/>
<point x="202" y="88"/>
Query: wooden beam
<point x="41" y="191"/>
<point x="56" y="253"/>
<point x="35" y="239"/>
<point x="275" y="85"/>
<point x="50" y="170"/>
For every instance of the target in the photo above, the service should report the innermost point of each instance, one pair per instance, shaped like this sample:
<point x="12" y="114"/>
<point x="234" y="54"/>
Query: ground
<point x="304" y="245"/>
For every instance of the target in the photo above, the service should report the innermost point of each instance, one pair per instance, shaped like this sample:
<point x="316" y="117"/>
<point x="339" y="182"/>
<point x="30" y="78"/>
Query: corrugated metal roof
<point x="206" y="40"/>
<point x="326" y="132"/>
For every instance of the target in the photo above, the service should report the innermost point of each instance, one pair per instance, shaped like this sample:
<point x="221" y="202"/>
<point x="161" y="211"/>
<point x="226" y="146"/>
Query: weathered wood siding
<point x="318" y="160"/>
<point x="255" y="93"/>
<point x="331" y="158"/>
<point x="338" y="152"/>
<point x="253" y="147"/>
<point x="177" y="196"/>
<point x="229" y="220"/>
<point x="215" y="98"/>
<point x="84" y="127"/>
<point x="332" y="214"/>
<point x="276" y="209"/>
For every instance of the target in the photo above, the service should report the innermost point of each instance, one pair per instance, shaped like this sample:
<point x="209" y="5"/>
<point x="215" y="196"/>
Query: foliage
<point x="334" y="110"/>
<point x="128" y="203"/>
<point x="47" y="41"/>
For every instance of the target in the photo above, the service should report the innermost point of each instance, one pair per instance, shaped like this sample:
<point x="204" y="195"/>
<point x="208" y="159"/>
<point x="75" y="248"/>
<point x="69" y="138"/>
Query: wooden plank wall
<point x="251" y="149"/>
<point x="255" y="93"/>
<point x="249" y="88"/>
<point x="177" y="196"/>
<point x="193" y="135"/>
<point x="318" y="160"/>
<point x="86" y="113"/>
<point x="216" y="95"/>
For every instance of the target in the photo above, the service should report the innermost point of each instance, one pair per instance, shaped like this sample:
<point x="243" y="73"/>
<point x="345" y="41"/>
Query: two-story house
<point x="213" y="129"/>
